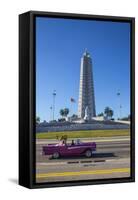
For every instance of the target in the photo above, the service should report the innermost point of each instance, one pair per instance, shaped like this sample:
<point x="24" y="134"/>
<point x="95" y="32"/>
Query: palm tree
<point x="100" y="114"/>
<point x="61" y="112"/>
<point x="111" y="113"/>
<point x="108" y="112"/>
<point x="66" y="112"/>
<point x="37" y="120"/>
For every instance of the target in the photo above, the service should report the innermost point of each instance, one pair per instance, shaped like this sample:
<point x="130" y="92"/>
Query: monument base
<point x="82" y="124"/>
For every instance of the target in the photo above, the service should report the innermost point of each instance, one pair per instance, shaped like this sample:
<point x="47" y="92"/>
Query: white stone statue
<point x="86" y="117"/>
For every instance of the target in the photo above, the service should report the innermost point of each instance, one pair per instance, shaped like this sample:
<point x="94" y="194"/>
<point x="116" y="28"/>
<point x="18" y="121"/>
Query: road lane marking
<point x="78" y="173"/>
<point x="41" y="164"/>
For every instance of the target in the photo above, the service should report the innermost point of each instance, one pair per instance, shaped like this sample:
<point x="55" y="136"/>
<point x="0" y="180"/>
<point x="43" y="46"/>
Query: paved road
<point x="111" y="160"/>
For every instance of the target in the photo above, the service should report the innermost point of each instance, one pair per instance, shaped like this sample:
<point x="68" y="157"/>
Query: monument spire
<point x="86" y="90"/>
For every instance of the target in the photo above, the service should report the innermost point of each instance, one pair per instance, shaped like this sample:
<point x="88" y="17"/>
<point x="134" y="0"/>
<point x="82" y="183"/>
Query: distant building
<point x="86" y="104"/>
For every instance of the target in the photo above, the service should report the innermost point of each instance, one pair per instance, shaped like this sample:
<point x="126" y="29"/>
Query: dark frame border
<point x="27" y="135"/>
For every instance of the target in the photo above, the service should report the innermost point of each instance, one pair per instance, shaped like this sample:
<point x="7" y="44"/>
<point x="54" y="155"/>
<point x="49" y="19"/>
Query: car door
<point x="63" y="150"/>
<point x="73" y="149"/>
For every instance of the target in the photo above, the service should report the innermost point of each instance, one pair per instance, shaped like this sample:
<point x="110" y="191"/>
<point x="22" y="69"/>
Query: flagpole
<point x="50" y="113"/>
<point x="70" y="107"/>
<point x="54" y="96"/>
<point x="72" y="100"/>
<point x="120" y="106"/>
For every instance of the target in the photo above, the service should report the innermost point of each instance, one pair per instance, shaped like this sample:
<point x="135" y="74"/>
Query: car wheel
<point x="55" y="155"/>
<point x="88" y="153"/>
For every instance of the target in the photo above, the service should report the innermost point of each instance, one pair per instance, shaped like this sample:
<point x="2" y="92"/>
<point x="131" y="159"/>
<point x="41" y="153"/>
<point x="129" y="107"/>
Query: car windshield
<point x="63" y="141"/>
<point x="78" y="141"/>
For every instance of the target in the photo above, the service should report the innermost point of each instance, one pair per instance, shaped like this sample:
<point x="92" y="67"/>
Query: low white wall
<point x="75" y="127"/>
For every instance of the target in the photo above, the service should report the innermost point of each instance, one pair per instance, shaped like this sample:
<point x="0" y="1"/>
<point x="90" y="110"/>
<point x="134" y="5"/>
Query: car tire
<point x="55" y="155"/>
<point x="88" y="153"/>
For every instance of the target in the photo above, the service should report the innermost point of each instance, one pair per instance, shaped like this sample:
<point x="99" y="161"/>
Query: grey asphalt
<point x="112" y="153"/>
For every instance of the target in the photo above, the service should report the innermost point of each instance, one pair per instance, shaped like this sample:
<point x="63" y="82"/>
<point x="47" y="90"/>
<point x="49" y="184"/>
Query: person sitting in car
<point x="72" y="142"/>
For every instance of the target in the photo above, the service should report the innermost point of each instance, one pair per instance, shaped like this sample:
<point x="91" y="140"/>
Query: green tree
<point x="111" y="113"/>
<point x="100" y="114"/>
<point x="61" y="112"/>
<point x="74" y="116"/>
<point x="37" y="120"/>
<point x="108" y="112"/>
<point x="66" y="112"/>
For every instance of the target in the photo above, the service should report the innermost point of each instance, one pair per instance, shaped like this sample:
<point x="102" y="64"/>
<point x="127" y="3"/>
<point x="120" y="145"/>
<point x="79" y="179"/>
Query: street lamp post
<point x="54" y="96"/>
<point x="120" y="106"/>
<point x="72" y="100"/>
<point x="50" y="113"/>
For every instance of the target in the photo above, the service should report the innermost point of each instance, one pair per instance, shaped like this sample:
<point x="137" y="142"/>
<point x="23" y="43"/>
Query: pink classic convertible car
<point x="75" y="148"/>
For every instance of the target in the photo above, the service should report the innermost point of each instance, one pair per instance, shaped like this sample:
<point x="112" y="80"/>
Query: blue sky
<point x="60" y="44"/>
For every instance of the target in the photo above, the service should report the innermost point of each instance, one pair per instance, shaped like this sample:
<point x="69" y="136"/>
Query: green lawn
<point x="84" y="134"/>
